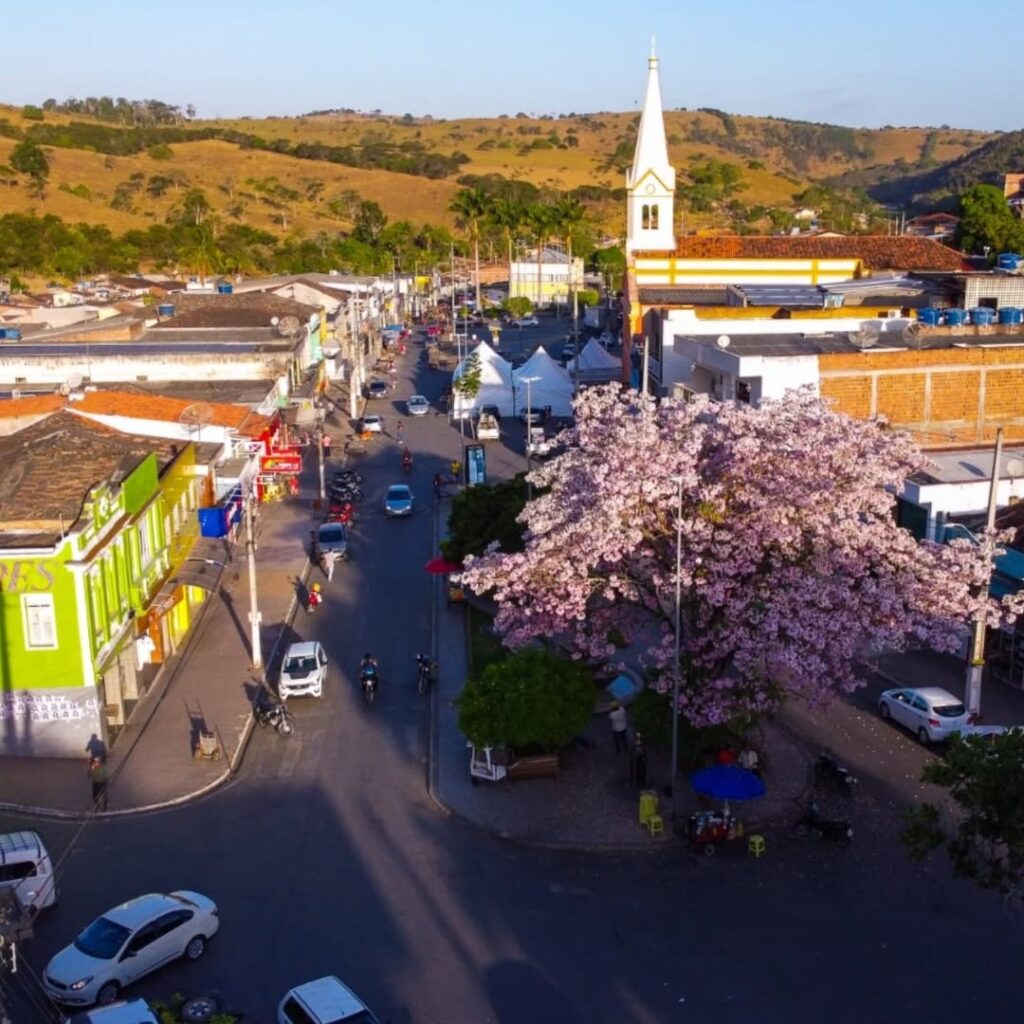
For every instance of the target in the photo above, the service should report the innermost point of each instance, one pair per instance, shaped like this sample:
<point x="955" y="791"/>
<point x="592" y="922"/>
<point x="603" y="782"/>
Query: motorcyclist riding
<point x="369" y="676"/>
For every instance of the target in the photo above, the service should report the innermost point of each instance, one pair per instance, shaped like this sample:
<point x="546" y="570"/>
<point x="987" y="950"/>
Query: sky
<point x="869" y="64"/>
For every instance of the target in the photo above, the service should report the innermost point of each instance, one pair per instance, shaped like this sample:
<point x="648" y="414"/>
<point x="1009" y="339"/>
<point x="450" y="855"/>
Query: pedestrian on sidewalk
<point x="98" y="778"/>
<point x="398" y="432"/>
<point x="620" y="725"/>
<point x="326" y="442"/>
<point x="327" y="562"/>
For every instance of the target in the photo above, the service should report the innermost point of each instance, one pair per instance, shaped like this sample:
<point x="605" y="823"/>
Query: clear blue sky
<point x="869" y="63"/>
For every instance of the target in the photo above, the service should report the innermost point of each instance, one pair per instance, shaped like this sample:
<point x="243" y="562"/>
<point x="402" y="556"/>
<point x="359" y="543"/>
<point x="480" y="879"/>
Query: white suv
<point x="303" y="671"/>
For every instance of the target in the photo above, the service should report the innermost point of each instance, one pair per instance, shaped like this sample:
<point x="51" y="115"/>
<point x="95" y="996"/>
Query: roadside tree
<point x="518" y="305"/>
<point x="985" y="841"/>
<point x="532" y="699"/>
<point x="986" y="221"/>
<point x="790" y="564"/>
<point x="485" y="515"/>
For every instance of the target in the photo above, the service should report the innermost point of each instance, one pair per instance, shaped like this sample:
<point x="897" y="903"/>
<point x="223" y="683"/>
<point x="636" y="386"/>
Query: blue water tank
<point x="225" y="289"/>
<point x="954" y="317"/>
<point x="929" y="315"/>
<point x="1010" y="315"/>
<point x="1007" y="261"/>
<point x="982" y="316"/>
<point x="10" y="333"/>
<point x="165" y="309"/>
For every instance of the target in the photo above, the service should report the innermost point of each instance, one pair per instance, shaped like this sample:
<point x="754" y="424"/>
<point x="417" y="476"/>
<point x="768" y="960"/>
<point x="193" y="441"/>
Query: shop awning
<point x="202" y="568"/>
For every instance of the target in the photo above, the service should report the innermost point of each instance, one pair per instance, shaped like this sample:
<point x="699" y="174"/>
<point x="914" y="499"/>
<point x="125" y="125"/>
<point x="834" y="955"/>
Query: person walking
<point x="98" y="778"/>
<point x="620" y="725"/>
<point x="398" y="432"/>
<point x="327" y="563"/>
<point x="326" y="442"/>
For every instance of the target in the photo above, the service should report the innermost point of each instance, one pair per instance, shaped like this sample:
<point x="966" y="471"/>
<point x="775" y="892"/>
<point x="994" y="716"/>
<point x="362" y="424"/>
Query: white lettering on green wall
<point x="23" y="576"/>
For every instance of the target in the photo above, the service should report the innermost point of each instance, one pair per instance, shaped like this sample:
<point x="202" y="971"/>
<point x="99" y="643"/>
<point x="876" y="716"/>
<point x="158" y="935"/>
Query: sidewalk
<point x="208" y="683"/>
<point x="591" y="803"/>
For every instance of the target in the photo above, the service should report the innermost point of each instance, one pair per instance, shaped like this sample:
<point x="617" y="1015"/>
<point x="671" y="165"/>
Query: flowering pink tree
<point x="791" y="563"/>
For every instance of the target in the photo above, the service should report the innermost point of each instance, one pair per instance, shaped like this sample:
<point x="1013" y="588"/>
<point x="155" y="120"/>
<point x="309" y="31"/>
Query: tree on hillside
<point x="985" y="841"/>
<point x="370" y="221"/>
<point x="470" y="205"/>
<point x="987" y="222"/>
<point x="28" y="159"/>
<point x="789" y="559"/>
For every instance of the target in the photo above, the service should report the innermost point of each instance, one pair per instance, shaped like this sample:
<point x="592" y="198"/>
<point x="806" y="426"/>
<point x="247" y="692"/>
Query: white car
<point x="324" y="1001"/>
<point x="930" y="713"/>
<point x="418" y="406"/>
<point x="372" y="424"/>
<point x="129" y="942"/>
<point x="526" y="321"/>
<point x="303" y="671"/>
<point x="135" y="1012"/>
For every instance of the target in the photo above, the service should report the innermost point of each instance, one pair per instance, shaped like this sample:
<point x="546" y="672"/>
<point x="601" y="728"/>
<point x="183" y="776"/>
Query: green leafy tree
<point x="161" y="151"/>
<point x="531" y="699"/>
<point x="31" y="113"/>
<point x="542" y="221"/>
<point x="986" y="221"/>
<point x="470" y="206"/>
<point x="485" y="515"/>
<point x="370" y="221"/>
<point x="467" y="384"/>
<point x="507" y="214"/>
<point x="985" y="841"/>
<point x="27" y="158"/>
<point x="518" y="305"/>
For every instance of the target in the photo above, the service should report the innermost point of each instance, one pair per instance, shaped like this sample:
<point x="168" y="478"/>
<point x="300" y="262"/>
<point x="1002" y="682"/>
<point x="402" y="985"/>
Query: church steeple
<point x="651" y="182"/>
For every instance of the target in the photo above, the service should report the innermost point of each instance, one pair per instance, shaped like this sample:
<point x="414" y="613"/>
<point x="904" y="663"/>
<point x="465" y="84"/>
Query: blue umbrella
<point x="727" y="782"/>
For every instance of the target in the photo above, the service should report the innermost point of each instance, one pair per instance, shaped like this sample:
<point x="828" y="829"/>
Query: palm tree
<point x="470" y="205"/>
<point x="571" y="214"/>
<point x="540" y="217"/>
<point x="508" y="215"/>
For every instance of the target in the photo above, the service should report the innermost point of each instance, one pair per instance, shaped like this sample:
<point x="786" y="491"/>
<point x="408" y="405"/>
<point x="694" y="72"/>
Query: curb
<point x="229" y="772"/>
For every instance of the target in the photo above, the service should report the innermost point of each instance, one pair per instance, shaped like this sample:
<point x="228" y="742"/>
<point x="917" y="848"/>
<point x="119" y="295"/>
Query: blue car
<point x="398" y="501"/>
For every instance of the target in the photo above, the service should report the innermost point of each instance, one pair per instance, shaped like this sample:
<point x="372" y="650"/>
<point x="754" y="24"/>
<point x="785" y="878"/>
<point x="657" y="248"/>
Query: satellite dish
<point x="73" y="382"/>
<point x="864" y="338"/>
<point x="288" y="325"/>
<point x="914" y="335"/>
<point x="196" y="416"/>
<point x="723" y="341"/>
<point x="1014" y="468"/>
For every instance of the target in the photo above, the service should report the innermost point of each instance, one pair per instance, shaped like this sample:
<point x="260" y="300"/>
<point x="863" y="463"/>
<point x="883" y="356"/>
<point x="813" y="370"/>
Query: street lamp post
<point x="254" y="613"/>
<point x="674" y="769"/>
<point x="976" y="665"/>
<point x="529" y="427"/>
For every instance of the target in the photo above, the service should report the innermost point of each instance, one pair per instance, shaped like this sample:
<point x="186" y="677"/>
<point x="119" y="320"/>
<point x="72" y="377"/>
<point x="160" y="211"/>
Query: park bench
<point x="534" y="766"/>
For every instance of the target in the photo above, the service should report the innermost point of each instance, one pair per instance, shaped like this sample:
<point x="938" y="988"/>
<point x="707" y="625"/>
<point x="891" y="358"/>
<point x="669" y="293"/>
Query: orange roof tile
<point x="878" y="252"/>
<point x="158" y="407"/>
<point x="31" y="405"/>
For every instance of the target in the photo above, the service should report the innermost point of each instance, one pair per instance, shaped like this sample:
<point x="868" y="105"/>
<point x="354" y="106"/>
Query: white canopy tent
<point x="594" y="357"/>
<point x="495" y="384"/>
<point x="549" y="384"/>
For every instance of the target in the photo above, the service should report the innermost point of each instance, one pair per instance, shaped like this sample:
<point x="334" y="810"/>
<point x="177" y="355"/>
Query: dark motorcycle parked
<point x="828" y="769"/>
<point x="273" y="713"/>
<point x="834" y="830"/>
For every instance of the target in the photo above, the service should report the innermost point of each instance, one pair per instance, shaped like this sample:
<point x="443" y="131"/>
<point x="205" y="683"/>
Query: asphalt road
<point x="327" y="856"/>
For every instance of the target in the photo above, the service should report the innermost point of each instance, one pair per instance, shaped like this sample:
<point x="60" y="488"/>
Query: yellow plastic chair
<point x="755" y="845"/>
<point x="648" y="805"/>
<point x="655" y="825"/>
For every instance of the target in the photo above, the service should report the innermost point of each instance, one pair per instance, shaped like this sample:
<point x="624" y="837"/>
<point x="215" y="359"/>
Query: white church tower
<point x="651" y="182"/>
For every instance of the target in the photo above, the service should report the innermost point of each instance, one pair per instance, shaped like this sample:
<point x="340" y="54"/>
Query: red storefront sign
<point x="281" y="463"/>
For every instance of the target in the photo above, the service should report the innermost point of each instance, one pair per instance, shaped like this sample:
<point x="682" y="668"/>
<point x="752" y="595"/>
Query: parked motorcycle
<point x="828" y="769"/>
<point x="425" y="673"/>
<point x="834" y="830"/>
<point x="368" y="680"/>
<point x="347" y="476"/>
<point x="274" y="713"/>
<point x="345" y="492"/>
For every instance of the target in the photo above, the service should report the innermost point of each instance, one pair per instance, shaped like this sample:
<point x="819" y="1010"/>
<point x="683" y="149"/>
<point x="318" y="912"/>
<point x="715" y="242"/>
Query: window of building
<point x="40" y="623"/>
<point x="145" y="543"/>
<point x="654" y="217"/>
<point x="645" y="217"/>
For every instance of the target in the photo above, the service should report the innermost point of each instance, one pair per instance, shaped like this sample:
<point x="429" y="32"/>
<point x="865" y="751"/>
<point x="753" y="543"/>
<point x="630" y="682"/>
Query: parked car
<point x="377" y="389"/>
<point x="538" y="443"/>
<point x="303" y="671"/>
<point x="930" y="713"/>
<point x="398" y="501"/>
<point x="372" y="424"/>
<point x="26" y="868"/>
<point x="487" y="428"/>
<point x="135" y="1012"/>
<point x="489" y="410"/>
<point x="526" y="321"/>
<point x="417" y="406"/>
<point x="324" y="1001"/>
<point x="332" y="537"/>
<point x="129" y="942"/>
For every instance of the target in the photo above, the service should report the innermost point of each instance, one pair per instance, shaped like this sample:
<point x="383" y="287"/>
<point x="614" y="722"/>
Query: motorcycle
<point x="347" y="476"/>
<point x="368" y="679"/>
<point x="828" y="769"/>
<point x="273" y="713"/>
<point x="407" y="461"/>
<point x="345" y="492"/>
<point x="425" y="673"/>
<point x="834" y="830"/>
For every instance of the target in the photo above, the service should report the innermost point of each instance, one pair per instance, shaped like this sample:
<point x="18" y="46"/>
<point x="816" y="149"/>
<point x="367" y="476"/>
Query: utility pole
<point x="357" y="359"/>
<point x="529" y="433"/>
<point x="254" y="614"/>
<point x="320" y="456"/>
<point x="976" y="665"/>
<point x="674" y="769"/>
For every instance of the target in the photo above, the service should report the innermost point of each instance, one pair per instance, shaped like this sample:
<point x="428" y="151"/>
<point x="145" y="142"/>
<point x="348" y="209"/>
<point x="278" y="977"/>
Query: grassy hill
<point x="248" y="182"/>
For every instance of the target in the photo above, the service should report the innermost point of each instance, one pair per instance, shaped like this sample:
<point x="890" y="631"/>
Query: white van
<point x="25" y="867"/>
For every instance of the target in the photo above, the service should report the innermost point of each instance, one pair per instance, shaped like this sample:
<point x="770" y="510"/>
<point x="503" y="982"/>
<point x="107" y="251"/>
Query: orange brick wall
<point x="934" y="394"/>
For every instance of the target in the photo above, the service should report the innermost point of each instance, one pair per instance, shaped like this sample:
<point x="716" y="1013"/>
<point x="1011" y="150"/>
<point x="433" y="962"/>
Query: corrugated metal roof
<point x="676" y="295"/>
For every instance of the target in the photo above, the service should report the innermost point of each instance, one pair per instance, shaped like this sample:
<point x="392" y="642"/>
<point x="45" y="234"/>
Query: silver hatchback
<point x="929" y="712"/>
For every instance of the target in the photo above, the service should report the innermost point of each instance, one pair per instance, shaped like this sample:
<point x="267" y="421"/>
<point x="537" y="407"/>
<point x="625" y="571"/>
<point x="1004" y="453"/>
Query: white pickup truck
<point x="538" y="442"/>
<point x="487" y="428"/>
